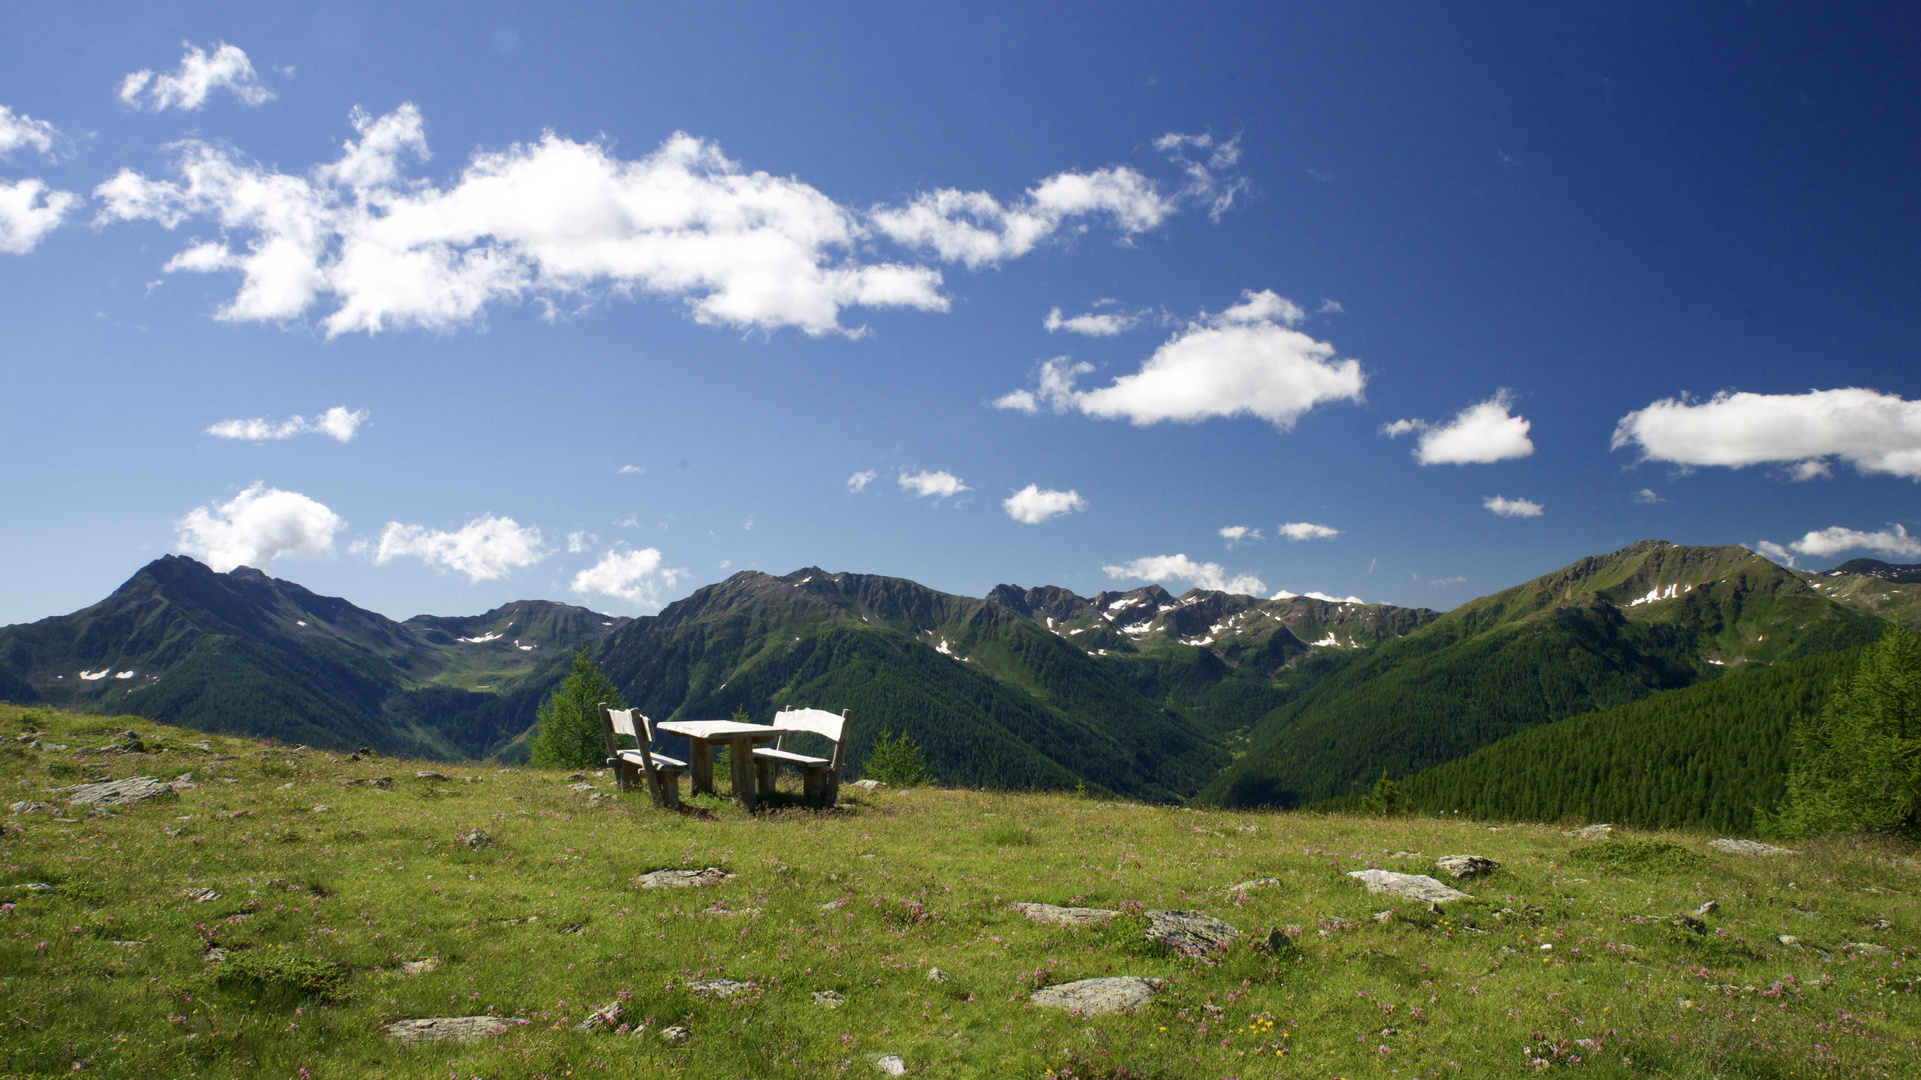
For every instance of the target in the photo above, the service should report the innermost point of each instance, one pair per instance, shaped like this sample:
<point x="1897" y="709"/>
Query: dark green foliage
<point x="279" y="970"/>
<point x="570" y="735"/>
<point x="1638" y="857"/>
<point x="1386" y="798"/>
<point x="1704" y="756"/>
<point x="1857" y="762"/>
<point x="896" y="760"/>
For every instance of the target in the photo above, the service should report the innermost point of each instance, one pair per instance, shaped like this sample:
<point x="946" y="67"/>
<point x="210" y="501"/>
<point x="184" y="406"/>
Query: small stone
<point x="419" y="967"/>
<point x="607" y="1016"/>
<point x="834" y="905"/>
<point x="200" y="896"/>
<point x="676" y="1036"/>
<point x="322" y="808"/>
<point x="1065" y="916"/>
<point x="677" y="878"/>
<point x="1749" y="847"/>
<point x="1276" y="941"/>
<point x="1708" y="908"/>
<point x="891" y="1064"/>
<point x="599" y="797"/>
<point x="1254" y="883"/>
<point x="1095" y="997"/>
<point x="1789" y="940"/>
<point x="428" y="774"/>
<point x="936" y="975"/>
<point x="215" y="955"/>
<point x="1865" y="948"/>
<point x="718" y="988"/>
<point x="868" y="785"/>
<point x="134" y="789"/>
<point x="24" y="807"/>
<point x="1384" y="916"/>
<point x="1592" y="832"/>
<point x="384" y="783"/>
<point x="576" y="776"/>
<point x="1248" y="829"/>
<point x="1880" y="924"/>
<point x="829" y="999"/>
<point x="1464" y="866"/>
<point x="36" y="887"/>
<point x="1409" y="886"/>
<point x="475" y="840"/>
<point x="458" y="1028"/>
<point x="1189" y="932"/>
<point x="583" y="786"/>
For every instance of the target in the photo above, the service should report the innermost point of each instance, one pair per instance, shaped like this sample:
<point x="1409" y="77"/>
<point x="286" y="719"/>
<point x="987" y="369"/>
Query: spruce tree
<point x="569" y="735"/>
<point x="1857" y="764"/>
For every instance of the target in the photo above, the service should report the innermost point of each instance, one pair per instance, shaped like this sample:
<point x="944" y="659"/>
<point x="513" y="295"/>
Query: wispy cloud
<point x="936" y="484"/>
<point x="1093" y="324"/>
<point x="257" y="527"/>
<point x="630" y="470"/>
<point x="1518" y="508"/>
<point x="578" y="542"/>
<point x="1034" y="504"/>
<point x="1647" y="497"/>
<point x="1874" y="432"/>
<point x="634" y="576"/>
<point x="1775" y="552"/>
<point x="858" y="482"/>
<point x="338" y="422"/>
<point x="1212" y="167"/>
<point x="20" y="131"/>
<point x="485" y="548"/>
<point x="1236" y="535"/>
<point x="200" y="73"/>
<point x="1203" y="575"/>
<point x="1307" y="530"/>
<point x="1478" y="434"/>
<point x="977" y="230"/>
<point x="1244" y="361"/>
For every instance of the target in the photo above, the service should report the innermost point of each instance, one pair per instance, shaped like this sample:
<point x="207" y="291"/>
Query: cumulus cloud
<point x="1775" y="552"/>
<point x="258" y="526"/>
<point x="578" y="542"/>
<point x="1244" y="361"/>
<point x="199" y="74"/>
<point x="1646" y="497"/>
<point x="1236" y="535"/>
<point x="1211" y="165"/>
<point x="1892" y="541"/>
<point x="1305" y="530"/>
<point x="18" y="130"/>
<point x="1874" y="432"/>
<point x="29" y="210"/>
<point x="1314" y="594"/>
<point x="1477" y="435"/>
<point x="1204" y="575"/>
<point x="634" y="576"/>
<point x="977" y="230"/>
<point x="1093" y="324"/>
<point x="937" y="484"/>
<point x="1034" y="504"/>
<point x="548" y="221"/>
<point x="858" y="482"/>
<point x="1505" y="507"/>
<point x="338" y="422"/>
<point x="485" y="548"/>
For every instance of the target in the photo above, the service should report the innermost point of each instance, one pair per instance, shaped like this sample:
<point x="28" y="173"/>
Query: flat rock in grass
<point x="134" y="789"/>
<point x="676" y="1036"/>
<point x="1095" y="997"/>
<point x="440" y="1028"/>
<point x="200" y="896"/>
<point x="1749" y="847"/>
<point x="582" y="786"/>
<point x="1407" y="886"/>
<point x="606" y="1016"/>
<point x="678" y="878"/>
<point x="1254" y="883"/>
<point x="1864" y="948"/>
<point x="428" y="774"/>
<point x="829" y="999"/>
<point x="1065" y="916"/>
<point x="419" y="967"/>
<point x="891" y="1064"/>
<point x="1592" y="832"/>
<point x="868" y="785"/>
<point x="1465" y="866"/>
<point x="1189" y="931"/>
<point x="28" y="807"/>
<point x="718" y="988"/>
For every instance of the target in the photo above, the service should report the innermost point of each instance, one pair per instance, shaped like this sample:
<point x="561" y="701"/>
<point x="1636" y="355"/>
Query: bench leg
<point x="812" y="787"/>
<point x="766" y="772"/>
<point x="667" y="781"/>
<point x="740" y="759"/>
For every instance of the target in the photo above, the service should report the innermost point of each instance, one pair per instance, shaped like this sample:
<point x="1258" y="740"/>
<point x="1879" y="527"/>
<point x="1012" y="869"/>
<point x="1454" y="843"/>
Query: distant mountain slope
<point x="245" y="653"/>
<point x="1891" y="591"/>
<point x="1601" y="632"/>
<point x="1704" y="755"/>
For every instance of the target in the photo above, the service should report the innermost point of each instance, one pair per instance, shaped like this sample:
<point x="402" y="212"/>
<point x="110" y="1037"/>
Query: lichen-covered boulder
<point x="1092" y="997"/>
<point x="1065" y="916"/>
<point x="439" y="1028"/>
<point x="1406" y="886"/>
<point x="1189" y="932"/>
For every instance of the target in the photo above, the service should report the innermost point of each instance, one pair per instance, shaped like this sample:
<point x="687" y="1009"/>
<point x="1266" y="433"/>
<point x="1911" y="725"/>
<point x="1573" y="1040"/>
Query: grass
<point x="108" y="972"/>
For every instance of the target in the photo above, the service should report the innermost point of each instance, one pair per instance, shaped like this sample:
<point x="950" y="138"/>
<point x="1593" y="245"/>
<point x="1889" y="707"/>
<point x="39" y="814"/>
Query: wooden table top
<point x="718" y="729"/>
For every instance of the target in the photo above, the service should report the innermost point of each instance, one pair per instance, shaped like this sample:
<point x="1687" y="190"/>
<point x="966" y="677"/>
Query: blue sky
<point x="602" y="303"/>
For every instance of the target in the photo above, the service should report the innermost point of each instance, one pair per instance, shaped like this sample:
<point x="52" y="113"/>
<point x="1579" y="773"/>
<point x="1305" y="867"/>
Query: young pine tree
<point x="896" y="760"/>
<point x="569" y="735"/>
<point x="1857" y="766"/>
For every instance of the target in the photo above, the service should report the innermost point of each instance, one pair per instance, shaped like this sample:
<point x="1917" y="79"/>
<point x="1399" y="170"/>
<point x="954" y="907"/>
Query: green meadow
<point x="270" y="919"/>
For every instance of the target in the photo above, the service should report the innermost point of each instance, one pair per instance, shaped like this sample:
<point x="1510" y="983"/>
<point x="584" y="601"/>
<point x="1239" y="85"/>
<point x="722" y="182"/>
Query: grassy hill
<point x="1599" y="633"/>
<point x="321" y="890"/>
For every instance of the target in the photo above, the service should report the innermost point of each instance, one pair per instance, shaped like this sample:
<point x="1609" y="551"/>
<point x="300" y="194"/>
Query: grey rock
<point x="383" y="783"/>
<point x="36" y="887"/>
<point x="475" y="840"/>
<point x="718" y="988"/>
<point x="677" y="878"/>
<point x="1094" y="997"/>
<point x="24" y="807"/>
<point x="1708" y="908"/>
<point x="580" y="787"/>
<point x="215" y="955"/>
<point x="935" y="974"/>
<point x="607" y="1016"/>
<point x="1880" y="924"/>
<point x="868" y="785"/>
<point x="829" y="999"/>
<point x="1593" y="832"/>
<point x="1749" y="847"/>
<point x="1255" y="883"/>
<point x="1407" y="886"/>
<point x="200" y="896"/>
<point x="599" y="797"/>
<point x="834" y="905"/>
<point x="420" y="967"/>
<point x="440" y="1028"/>
<point x="321" y="809"/>
<point x="891" y="1064"/>
<point x="1189" y="932"/>
<point x="134" y="789"/>
<point x="1065" y="916"/>
<point x="1464" y="866"/>
<point x="1864" y="948"/>
<point x="429" y="774"/>
<point x="676" y="1036"/>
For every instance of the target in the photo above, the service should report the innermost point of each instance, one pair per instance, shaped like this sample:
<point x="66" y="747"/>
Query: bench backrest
<point x="818" y="721"/>
<point x="624" y="724"/>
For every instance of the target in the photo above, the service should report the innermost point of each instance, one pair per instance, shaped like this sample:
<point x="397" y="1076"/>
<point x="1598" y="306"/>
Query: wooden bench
<point x="820" y="777"/>
<point x="661" y="771"/>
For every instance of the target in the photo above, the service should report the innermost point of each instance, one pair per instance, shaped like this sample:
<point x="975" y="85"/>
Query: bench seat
<point x="661" y="761"/>
<point x="787" y="756"/>
<point x="820" y="777"/>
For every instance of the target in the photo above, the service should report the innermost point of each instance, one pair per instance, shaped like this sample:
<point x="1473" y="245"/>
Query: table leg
<point x="700" y="754"/>
<point x="741" y="757"/>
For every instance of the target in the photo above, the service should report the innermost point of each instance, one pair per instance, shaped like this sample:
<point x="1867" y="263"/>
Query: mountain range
<point x="1228" y="698"/>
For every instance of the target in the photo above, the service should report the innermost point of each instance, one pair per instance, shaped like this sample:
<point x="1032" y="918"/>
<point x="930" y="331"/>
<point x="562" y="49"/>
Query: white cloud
<point x="629" y="470"/>
<point x="258" y="526"/>
<point x="578" y="542"/>
<point x="1874" y="432"/>
<point x="975" y="229"/>
<point x="20" y="130"/>
<point x="938" y="484"/>
<point x="338" y="422"/>
<point x="1314" y="595"/>
<point x="1092" y="324"/>
<point x="547" y="221"/>
<point x="1212" y="175"/>
<point x="1236" y="535"/>
<point x="199" y="74"/>
<point x="634" y="576"/>
<point x="29" y="210"/>
<point x="1244" y="360"/>
<point x="858" y="482"/>
<point x="1477" y="435"/>
<point x="1505" y="507"/>
<point x="1033" y="504"/>
<point x="1205" y="575"/>
<point x="1646" y="497"/>
<point x="1892" y="541"/>
<point x="1304" y="530"/>
<point x="1330" y="307"/>
<point x="1775" y="552"/>
<point x="483" y="549"/>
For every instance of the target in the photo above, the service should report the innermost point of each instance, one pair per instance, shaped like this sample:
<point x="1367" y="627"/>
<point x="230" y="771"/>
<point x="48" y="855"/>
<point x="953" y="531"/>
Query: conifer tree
<point x="569" y="735"/>
<point x="1857" y="764"/>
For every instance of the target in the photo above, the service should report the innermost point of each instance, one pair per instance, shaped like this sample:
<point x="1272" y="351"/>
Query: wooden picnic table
<point x="740" y="738"/>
